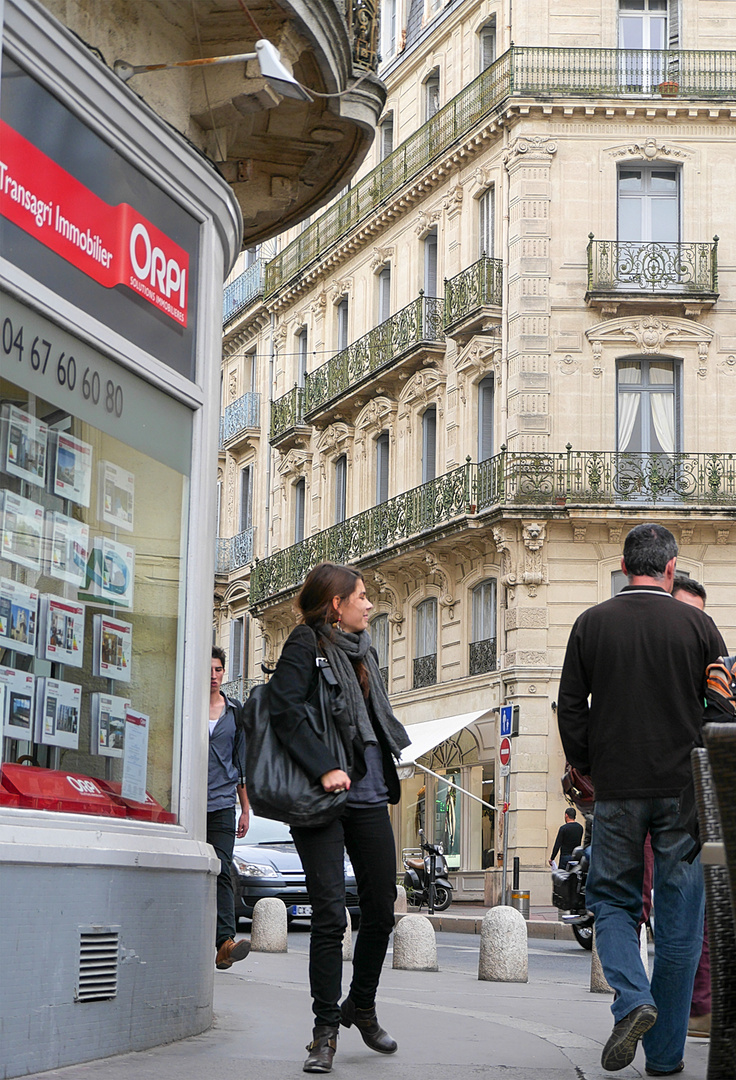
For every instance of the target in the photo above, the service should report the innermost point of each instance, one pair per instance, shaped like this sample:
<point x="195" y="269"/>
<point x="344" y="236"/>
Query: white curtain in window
<point x="663" y="406"/>
<point x="628" y="408"/>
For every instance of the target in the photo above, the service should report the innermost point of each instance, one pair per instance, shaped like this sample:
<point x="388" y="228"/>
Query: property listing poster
<point x="67" y="548"/>
<point x="18" y="616"/>
<point x="116" y="493"/>
<point x="112" y="648"/>
<point x="135" y="756"/>
<point x="70" y="470"/>
<point x="61" y="631"/>
<point x="107" y="731"/>
<point x="23" y="445"/>
<point x="57" y="713"/>
<point x="16" y="694"/>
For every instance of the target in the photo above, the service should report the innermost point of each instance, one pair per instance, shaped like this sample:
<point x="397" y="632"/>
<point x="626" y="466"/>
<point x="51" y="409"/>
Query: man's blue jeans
<point x="613" y="894"/>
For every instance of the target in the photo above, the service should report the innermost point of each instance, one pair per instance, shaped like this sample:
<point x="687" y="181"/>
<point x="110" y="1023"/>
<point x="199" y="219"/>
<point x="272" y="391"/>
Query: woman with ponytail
<point x="334" y="612"/>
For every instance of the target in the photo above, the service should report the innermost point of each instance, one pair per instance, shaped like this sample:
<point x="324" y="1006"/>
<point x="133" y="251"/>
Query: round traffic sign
<point x="504" y="751"/>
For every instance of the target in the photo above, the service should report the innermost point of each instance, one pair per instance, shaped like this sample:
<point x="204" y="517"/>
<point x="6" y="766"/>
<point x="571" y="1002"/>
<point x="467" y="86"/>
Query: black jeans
<point x="366" y="834"/>
<point x="221" y="834"/>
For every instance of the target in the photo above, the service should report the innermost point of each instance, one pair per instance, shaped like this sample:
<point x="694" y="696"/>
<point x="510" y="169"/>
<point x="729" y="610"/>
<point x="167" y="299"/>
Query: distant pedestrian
<point x="334" y="610"/>
<point x="630" y="711"/>
<point x="569" y="836"/>
<point x="225" y="780"/>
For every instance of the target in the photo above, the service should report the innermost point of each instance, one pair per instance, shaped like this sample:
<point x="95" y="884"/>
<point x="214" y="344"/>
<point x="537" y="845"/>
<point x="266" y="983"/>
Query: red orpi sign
<point x="114" y="245"/>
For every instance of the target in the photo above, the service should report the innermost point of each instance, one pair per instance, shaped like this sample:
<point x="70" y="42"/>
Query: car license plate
<point x="301" y="909"/>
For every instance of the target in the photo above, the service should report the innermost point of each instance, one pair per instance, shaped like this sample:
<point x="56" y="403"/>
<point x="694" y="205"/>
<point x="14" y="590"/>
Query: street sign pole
<point x="506" y="798"/>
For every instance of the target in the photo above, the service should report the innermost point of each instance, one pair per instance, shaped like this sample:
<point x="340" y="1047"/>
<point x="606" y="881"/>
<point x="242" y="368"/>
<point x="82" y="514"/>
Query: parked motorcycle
<point x="568" y="894"/>
<point x="426" y="880"/>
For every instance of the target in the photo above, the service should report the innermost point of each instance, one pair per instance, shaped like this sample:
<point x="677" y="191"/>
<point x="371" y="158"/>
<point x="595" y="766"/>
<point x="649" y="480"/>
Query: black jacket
<point x="292" y="684"/>
<point x="641" y="657"/>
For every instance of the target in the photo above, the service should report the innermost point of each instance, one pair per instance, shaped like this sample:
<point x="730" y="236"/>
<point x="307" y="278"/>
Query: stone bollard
<point x="400" y="905"/>
<point x="347" y="939"/>
<point x="504" y="954"/>
<point x="415" y="946"/>
<point x="269" y="930"/>
<point x="598" y="984"/>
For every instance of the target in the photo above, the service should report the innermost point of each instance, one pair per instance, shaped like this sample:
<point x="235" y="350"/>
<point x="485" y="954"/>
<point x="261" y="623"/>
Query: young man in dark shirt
<point x="569" y="836"/>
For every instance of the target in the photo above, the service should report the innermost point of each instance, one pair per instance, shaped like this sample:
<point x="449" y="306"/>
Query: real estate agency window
<point x="93" y="512"/>
<point x="648" y="401"/>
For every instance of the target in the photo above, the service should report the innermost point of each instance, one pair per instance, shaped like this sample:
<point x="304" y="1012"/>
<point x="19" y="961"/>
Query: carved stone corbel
<point x="534" y="535"/>
<point x="503" y="547"/>
<point x="436" y="570"/>
<point x="388" y="591"/>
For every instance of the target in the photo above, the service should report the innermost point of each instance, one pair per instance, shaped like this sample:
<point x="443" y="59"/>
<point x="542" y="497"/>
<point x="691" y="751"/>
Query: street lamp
<point x="269" y="59"/>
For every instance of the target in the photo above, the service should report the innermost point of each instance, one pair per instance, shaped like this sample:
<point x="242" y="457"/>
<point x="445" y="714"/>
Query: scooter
<point x="426" y="879"/>
<point x="568" y="894"/>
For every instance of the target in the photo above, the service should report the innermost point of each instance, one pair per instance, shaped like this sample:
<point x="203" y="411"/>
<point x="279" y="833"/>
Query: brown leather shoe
<point x="699" y="1027"/>
<point x="230" y="951"/>
<point x="321" y="1050"/>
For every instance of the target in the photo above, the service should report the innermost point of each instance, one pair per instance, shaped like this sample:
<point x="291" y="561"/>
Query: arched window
<point x="483" y="654"/>
<point x="379" y="637"/>
<point x="425" y="644"/>
<point x="487" y="44"/>
<point x="432" y="94"/>
<point x="386" y="132"/>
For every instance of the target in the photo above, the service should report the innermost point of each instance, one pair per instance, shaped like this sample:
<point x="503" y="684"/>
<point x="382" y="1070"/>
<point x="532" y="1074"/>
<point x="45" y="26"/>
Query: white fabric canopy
<point x="430" y="733"/>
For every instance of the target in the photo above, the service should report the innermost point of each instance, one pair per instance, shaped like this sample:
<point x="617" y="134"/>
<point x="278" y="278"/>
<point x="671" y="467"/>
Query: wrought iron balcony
<point x="470" y="293"/>
<point x="425" y="671"/>
<point x="240" y="415"/>
<point x="240" y="688"/>
<point x="287" y="414"/>
<point x="244" y="290"/>
<point x="234" y="551"/>
<point x="537" y="73"/>
<point x="417" y="323"/>
<point x="595" y="477"/>
<point x="622" y="266"/>
<point x="373" y="530"/>
<point x="508" y="480"/>
<point x="482" y="656"/>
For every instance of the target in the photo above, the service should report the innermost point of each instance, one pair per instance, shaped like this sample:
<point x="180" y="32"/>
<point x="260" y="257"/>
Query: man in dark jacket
<point x="630" y="711"/>
<point x="569" y="836"/>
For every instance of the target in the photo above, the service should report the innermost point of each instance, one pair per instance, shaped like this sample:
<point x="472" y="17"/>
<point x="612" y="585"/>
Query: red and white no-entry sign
<point x="504" y="751"/>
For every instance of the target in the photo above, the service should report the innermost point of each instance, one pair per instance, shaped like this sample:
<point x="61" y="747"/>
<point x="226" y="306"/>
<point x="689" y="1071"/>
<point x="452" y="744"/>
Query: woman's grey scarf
<point x="341" y="649"/>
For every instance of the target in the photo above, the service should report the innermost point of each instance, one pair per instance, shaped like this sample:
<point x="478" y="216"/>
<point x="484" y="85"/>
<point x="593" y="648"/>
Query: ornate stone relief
<point x="279" y="336"/>
<point x="538" y="147"/>
<point x="426" y="221"/>
<point x="651" y="334"/>
<point x="421" y="390"/>
<point x="728" y="366"/>
<point x="579" y="532"/>
<point x="337" y="289"/>
<point x="650" y="149"/>
<point x="481" y="356"/>
<point x="336" y="439"/>
<point x="534" y="535"/>
<point x="437" y="571"/>
<point x="389" y="592"/>
<point x="232" y="386"/>
<point x="503" y="547"/>
<point x="374" y="417"/>
<point x="453" y="200"/>
<point x="231" y="470"/>
<point x="568" y="365"/>
<point x="381" y="257"/>
<point x="686" y="534"/>
<point x="722" y="536"/>
<point x="615" y="533"/>
<point x="295" y="464"/>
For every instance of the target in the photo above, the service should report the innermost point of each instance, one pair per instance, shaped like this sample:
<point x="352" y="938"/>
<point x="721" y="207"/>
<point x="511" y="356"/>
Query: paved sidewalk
<point x="447" y="1023"/>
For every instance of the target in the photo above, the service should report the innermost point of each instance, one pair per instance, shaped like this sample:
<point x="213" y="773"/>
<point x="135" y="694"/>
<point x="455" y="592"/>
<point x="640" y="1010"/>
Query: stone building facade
<point x="511" y="339"/>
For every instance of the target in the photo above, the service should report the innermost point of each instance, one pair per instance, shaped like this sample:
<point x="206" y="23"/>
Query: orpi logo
<point x="84" y="787"/>
<point x="165" y="276"/>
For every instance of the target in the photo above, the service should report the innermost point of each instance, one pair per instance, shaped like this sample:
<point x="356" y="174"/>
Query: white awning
<point x="430" y="733"/>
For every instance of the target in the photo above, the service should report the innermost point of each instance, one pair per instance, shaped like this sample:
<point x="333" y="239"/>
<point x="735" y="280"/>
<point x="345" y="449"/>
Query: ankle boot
<point x="367" y="1024"/>
<point x="321" y="1050"/>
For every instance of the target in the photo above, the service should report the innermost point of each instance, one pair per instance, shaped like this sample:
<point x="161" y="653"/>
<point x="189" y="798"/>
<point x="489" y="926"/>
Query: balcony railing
<point x="419" y="321"/>
<point x="477" y="287"/>
<point x="627" y="266"/>
<point x="606" y="477"/>
<point x="586" y="477"/>
<point x="425" y="671"/>
<point x="482" y="656"/>
<point x="286" y="412"/>
<point x="397" y="519"/>
<point x="234" y="551"/>
<point x="239" y="416"/>
<point x="240" y="688"/>
<point x="242" y="291"/>
<point x="519" y="72"/>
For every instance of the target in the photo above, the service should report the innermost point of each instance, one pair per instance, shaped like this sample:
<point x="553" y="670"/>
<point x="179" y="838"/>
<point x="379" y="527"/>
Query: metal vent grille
<point x="98" y="965"/>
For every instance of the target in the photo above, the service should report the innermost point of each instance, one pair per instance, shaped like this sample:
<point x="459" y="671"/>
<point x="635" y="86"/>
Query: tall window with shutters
<point x="382" y="462"/>
<point x="432" y="94"/>
<point x="486" y="404"/>
<point x="486" y="223"/>
<point x="343" y="311"/>
<point x="300" y="500"/>
<point x="430" y="264"/>
<point x="379" y="638"/>
<point x="302" y="347"/>
<point x="429" y="444"/>
<point x="483" y="643"/>
<point x="236" y="648"/>
<point x="341" y="480"/>
<point x="246" y="499"/>
<point x="425" y="643"/>
<point x="384" y="294"/>
<point x="386" y="133"/>
<point x="487" y="43"/>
